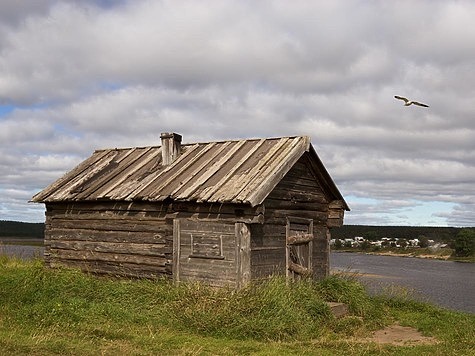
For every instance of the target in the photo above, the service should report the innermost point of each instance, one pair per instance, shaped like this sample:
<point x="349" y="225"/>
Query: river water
<point x="445" y="283"/>
<point x="22" y="251"/>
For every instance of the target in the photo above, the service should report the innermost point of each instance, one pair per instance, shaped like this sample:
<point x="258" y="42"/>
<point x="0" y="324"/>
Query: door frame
<point x="304" y="241"/>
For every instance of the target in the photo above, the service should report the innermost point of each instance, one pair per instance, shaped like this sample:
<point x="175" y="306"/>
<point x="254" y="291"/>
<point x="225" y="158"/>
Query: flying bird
<point x="410" y="102"/>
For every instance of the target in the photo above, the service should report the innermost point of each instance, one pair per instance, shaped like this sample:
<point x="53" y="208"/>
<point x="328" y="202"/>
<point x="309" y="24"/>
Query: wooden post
<point x="287" y="251"/>
<point x="243" y="254"/>
<point x="176" y="251"/>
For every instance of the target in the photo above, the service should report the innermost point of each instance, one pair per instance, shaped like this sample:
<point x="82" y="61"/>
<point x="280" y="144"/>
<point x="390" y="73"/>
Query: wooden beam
<point x="299" y="239"/>
<point x="304" y="272"/>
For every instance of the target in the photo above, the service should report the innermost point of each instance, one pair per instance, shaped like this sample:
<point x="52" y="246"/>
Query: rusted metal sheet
<point x="241" y="171"/>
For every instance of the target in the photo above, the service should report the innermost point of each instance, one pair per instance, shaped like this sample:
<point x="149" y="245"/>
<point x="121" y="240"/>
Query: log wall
<point x="115" y="238"/>
<point x="297" y="195"/>
<point x="137" y="239"/>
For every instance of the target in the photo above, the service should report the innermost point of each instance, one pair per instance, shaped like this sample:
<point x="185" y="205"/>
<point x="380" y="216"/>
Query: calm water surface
<point x="22" y="251"/>
<point x="446" y="283"/>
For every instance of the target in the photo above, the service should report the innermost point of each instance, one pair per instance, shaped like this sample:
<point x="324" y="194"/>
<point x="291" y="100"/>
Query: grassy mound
<point x="46" y="311"/>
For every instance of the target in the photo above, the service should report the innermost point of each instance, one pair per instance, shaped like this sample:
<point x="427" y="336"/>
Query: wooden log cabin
<point x="223" y="213"/>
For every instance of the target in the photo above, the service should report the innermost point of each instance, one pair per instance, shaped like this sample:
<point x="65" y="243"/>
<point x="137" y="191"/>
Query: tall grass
<point x="65" y="311"/>
<point x="270" y="310"/>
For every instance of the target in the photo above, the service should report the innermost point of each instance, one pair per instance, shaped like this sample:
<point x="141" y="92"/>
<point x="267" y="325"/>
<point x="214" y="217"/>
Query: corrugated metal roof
<point x="241" y="171"/>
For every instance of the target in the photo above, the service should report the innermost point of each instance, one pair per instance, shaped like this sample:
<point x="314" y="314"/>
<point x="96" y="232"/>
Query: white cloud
<point x="95" y="74"/>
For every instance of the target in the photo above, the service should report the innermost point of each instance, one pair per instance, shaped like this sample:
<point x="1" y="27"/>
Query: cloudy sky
<point x="81" y="75"/>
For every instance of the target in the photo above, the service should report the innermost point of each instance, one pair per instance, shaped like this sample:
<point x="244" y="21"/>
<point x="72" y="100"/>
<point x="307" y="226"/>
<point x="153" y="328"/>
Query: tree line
<point x="21" y="229"/>
<point x="373" y="233"/>
<point x="461" y="240"/>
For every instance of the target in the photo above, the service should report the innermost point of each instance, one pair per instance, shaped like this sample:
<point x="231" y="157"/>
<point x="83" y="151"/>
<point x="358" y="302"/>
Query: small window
<point x="206" y="246"/>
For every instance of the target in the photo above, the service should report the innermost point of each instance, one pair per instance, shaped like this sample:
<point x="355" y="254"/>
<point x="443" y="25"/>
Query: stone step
<point x="339" y="310"/>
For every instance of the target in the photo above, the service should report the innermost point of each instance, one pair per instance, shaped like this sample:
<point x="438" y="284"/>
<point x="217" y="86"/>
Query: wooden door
<point x="299" y="247"/>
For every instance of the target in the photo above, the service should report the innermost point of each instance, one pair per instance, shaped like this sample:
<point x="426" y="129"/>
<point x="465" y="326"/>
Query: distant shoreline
<point x="410" y="255"/>
<point x="22" y="241"/>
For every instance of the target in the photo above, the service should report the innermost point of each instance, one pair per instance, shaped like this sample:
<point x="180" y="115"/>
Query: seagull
<point x="410" y="102"/>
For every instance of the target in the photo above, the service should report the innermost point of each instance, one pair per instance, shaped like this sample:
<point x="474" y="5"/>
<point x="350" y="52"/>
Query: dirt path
<point x="400" y="335"/>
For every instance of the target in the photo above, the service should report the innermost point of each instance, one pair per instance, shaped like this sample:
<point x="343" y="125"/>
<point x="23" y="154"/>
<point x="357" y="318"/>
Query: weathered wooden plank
<point x="292" y="193"/>
<point x="297" y="220"/>
<point x="107" y="257"/>
<point x="301" y="170"/>
<point x="142" y="188"/>
<point x="80" y="182"/>
<point x="274" y="215"/>
<point x="164" y="187"/>
<point x="274" y="230"/>
<point x="298" y="182"/>
<point x="203" y="226"/>
<point x="336" y="213"/>
<point x="197" y="264"/>
<point x="274" y="172"/>
<point x="112" y="247"/>
<point x="201" y="173"/>
<point x="213" y="165"/>
<point x="134" y="168"/>
<point x="114" y="225"/>
<point x="268" y="256"/>
<point x="337" y="204"/>
<point x="121" y="167"/>
<point x="107" y="236"/>
<point x="123" y="269"/>
<point x="215" y="276"/>
<point x="215" y="192"/>
<point x="223" y="218"/>
<point x="196" y="226"/>
<point x="225" y="270"/>
<point x="243" y="173"/>
<point x="268" y="241"/>
<point x="215" y="209"/>
<point x="268" y="249"/>
<point x="292" y="204"/>
<point x="112" y="208"/>
<point x="245" y="183"/>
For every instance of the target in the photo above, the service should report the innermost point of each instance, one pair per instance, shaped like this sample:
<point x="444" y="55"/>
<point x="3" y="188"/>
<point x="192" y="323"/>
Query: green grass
<point x="61" y="311"/>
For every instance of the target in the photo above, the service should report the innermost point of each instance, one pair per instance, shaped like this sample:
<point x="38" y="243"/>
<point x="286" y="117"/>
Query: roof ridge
<point x="202" y="143"/>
